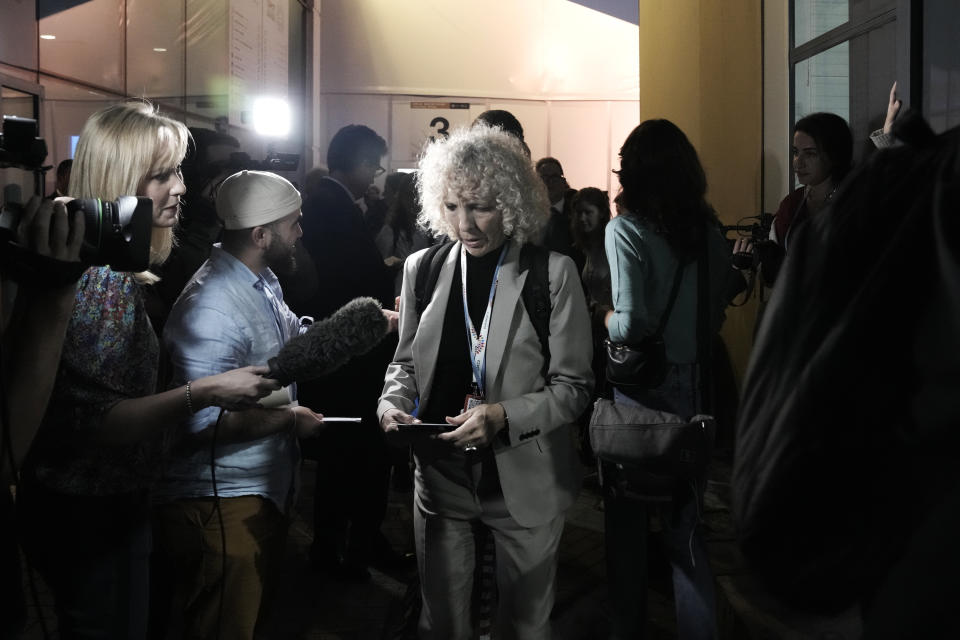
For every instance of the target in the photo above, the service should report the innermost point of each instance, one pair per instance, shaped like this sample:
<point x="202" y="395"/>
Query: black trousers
<point x="93" y="552"/>
<point x="353" y="460"/>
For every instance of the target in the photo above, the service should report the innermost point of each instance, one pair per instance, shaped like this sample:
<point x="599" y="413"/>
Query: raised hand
<point x="893" y="109"/>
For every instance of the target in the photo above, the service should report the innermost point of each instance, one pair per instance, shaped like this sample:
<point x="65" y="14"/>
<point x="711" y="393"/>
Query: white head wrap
<point x="251" y="199"/>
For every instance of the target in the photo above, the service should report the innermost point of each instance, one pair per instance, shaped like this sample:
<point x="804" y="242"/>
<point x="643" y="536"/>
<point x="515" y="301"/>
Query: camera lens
<point x="117" y="231"/>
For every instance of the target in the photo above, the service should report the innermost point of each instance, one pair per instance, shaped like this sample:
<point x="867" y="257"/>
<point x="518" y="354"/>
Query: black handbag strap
<point x="677" y="277"/>
<point x="704" y="350"/>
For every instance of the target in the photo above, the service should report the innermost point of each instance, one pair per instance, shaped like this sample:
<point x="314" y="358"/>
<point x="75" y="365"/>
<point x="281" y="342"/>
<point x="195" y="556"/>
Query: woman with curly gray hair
<point x="481" y="163"/>
<point x="494" y="409"/>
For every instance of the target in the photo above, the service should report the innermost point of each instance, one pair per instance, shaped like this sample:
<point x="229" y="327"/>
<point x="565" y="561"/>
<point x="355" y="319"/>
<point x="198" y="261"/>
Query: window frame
<point x="907" y="16"/>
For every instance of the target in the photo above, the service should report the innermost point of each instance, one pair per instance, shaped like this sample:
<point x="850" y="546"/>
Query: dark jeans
<point x="93" y="552"/>
<point x="626" y="523"/>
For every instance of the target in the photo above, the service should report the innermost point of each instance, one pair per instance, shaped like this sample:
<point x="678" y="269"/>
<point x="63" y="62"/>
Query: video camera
<point x="20" y="146"/>
<point x="765" y="250"/>
<point x="117" y="233"/>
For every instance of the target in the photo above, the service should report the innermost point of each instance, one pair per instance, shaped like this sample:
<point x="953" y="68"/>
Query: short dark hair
<point x="353" y="145"/>
<point x="833" y="138"/>
<point x="503" y="119"/>
<point x="548" y="160"/>
<point x="203" y="139"/>
<point x="63" y="169"/>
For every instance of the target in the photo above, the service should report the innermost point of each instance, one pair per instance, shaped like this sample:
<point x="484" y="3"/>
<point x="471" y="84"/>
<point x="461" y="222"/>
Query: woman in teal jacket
<point x="666" y="225"/>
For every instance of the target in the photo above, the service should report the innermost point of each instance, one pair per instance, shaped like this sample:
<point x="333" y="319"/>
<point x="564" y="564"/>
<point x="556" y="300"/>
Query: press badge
<point x="472" y="400"/>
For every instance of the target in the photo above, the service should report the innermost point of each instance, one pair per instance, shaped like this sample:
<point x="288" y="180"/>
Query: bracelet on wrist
<point x="189" y="400"/>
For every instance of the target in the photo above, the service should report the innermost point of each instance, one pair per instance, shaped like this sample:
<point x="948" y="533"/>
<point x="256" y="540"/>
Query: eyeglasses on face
<point x="378" y="170"/>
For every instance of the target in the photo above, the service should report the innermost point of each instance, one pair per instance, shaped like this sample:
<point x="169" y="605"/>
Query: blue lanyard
<point x="478" y="340"/>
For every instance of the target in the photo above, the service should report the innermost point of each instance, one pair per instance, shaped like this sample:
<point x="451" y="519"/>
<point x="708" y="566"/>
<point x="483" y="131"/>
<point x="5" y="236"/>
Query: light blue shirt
<point x="229" y="317"/>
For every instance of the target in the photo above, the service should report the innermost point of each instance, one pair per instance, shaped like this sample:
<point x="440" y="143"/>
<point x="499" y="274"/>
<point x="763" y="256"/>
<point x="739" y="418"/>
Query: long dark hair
<point x="401" y="218"/>
<point x="599" y="199"/>
<point x="664" y="184"/>
<point x="833" y="138"/>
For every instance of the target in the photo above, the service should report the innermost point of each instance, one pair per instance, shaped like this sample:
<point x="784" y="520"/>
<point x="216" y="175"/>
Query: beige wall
<point x="701" y="67"/>
<point x="776" y="105"/>
<point x="567" y="72"/>
<point x="499" y="49"/>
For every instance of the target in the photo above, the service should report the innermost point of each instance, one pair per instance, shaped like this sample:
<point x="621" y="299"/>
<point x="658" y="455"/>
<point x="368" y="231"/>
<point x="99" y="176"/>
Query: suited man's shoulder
<point x="328" y="195"/>
<point x="328" y="214"/>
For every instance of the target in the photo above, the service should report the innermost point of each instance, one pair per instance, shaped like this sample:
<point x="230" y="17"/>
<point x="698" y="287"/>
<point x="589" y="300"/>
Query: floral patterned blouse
<point x="110" y="354"/>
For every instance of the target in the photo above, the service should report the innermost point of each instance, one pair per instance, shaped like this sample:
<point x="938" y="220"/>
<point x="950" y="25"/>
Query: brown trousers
<point x="221" y="590"/>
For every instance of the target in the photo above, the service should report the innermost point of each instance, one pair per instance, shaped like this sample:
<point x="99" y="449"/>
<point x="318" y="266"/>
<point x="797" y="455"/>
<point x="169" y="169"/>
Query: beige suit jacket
<point x="536" y="458"/>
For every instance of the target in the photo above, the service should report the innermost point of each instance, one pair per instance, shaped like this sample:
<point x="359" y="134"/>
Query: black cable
<point x="6" y="447"/>
<point x="748" y="290"/>
<point x="32" y="583"/>
<point x="223" y="532"/>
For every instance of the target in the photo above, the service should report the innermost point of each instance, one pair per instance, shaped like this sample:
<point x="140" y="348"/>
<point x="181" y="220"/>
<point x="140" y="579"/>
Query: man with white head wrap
<point x="232" y="311"/>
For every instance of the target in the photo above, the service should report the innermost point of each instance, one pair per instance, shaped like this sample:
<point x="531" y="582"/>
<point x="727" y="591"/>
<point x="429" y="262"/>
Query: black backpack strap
<point x="536" y="294"/>
<point x="428" y="273"/>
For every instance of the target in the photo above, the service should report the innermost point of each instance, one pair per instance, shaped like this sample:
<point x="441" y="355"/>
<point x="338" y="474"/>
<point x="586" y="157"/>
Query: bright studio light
<point x="271" y="117"/>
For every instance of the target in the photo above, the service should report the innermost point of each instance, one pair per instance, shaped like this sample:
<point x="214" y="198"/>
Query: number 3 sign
<point x="442" y="126"/>
<point x="432" y="121"/>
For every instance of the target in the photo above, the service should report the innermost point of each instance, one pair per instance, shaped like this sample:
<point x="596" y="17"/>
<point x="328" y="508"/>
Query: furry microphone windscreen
<point x="352" y="330"/>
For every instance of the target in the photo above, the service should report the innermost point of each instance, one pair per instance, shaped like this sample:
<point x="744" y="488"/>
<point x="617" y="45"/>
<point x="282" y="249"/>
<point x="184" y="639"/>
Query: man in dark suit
<point x="353" y="464"/>
<point x="557" y="235"/>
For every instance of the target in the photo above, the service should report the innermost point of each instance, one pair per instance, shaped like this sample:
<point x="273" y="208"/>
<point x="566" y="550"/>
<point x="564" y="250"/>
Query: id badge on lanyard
<point x="478" y="339"/>
<point x="473" y="399"/>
